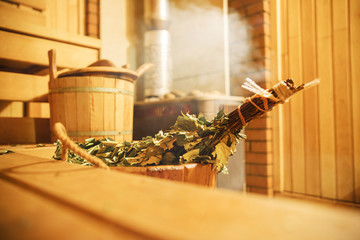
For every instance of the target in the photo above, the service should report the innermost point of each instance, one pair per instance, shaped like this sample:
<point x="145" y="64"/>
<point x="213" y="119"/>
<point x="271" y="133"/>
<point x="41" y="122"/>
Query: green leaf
<point x="93" y="150"/>
<point x="186" y="122"/>
<point x="4" y="151"/>
<point x="190" y="145"/>
<point x="221" y="154"/>
<point x="202" y="120"/>
<point x="219" y="115"/>
<point x="131" y="153"/>
<point x="89" y="140"/>
<point x="154" y="150"/>
<point x="167" y="143"/>
<point x="133" y="160"/>
<point x="168" y="158"/>
<point x="191" y="155"/>
<point x="152" y="160"/>
<point x="159" y="135"/>
<point x="231" y="141"/>
<point x="109" y="143"/>
<point x="182" y="138"/>
<point x="104" y="155"/>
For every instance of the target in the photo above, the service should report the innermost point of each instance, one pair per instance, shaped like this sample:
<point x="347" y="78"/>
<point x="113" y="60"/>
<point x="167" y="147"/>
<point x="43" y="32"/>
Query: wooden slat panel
<point x="38" y="4"/>
<point x="342" y="91"/>
<point x="83" y="102"/>
<point x="109" y="107"/>
<point x="62" y="15"/>
<point x="128" y="110"/>
<point x="276" y="115"/>
<point x="11" y="109"/>
<point x="326" y="100"/>
<point x="23" y="87"/>
<point x="73" y="24"/>
<point x="324" y="127"/>
<point x="296" y="109"/>
<point x="57" y="105"/>
<point x="355" y="86"/>
<point x="26" y="15"/>
<point x="34" y="50"/>
<point x="97" y="105"/>
<point x="37" y="110"/>
<point x="286" y="107"/>
<point x="70" y="105"/>
<point x="119" y="106"/>
<point x="81" y="18"/>
<point x="311" y="111"/>
<point x="51" y="14"/>
<point x="130" y="202"/>
<point x="28" y="28"/>
<point x="24" y="130"/>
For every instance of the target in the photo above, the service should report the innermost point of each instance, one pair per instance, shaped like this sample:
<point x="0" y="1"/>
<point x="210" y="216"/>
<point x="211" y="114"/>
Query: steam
<point x="197" y="32"/>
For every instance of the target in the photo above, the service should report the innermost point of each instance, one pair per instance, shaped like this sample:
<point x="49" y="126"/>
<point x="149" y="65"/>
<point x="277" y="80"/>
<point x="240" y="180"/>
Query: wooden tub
<point x="201" y="174"/>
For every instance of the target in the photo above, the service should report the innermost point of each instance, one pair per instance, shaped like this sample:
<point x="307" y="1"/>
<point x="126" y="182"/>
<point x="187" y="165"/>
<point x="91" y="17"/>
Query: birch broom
<point x="192" y="139"/>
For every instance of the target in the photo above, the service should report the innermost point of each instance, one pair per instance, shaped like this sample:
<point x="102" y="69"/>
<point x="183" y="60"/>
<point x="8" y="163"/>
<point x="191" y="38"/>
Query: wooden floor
<point x="42" y="198"/>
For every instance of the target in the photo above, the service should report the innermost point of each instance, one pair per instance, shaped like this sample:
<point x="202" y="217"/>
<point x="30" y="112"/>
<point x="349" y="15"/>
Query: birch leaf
<point x="155" y="160"/>
<point x="221" y="154"/>
<point x="190" y="145"/>
<point x="186" y="122"/>
<point x="133" y="160"/>
<point x="168" y="158"/>
<point x="167" y="143"/>
<point x="191" y="155"/>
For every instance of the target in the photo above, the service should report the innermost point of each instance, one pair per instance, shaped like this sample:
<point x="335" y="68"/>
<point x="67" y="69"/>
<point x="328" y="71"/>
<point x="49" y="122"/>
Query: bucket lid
<point x="103" y="68"/>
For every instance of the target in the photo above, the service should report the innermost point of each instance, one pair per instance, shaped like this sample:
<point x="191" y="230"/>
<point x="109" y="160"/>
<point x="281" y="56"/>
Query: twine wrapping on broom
<point x="280" y="93"/>
<point x="68" y="144"/>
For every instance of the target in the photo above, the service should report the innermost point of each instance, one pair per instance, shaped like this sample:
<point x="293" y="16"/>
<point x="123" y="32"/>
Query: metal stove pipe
<point x="157" y="46"/>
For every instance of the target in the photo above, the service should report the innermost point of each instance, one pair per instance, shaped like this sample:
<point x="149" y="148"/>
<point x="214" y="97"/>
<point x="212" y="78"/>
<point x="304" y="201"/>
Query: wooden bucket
<point x="96" y="101"/>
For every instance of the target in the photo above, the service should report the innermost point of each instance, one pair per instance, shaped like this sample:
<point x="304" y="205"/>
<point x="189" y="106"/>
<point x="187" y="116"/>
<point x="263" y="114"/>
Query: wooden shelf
<point x="24" y="130"/>
<point x="34" y="50"/>
<point x="18" y="25"/>
<point x="23" y="87"/>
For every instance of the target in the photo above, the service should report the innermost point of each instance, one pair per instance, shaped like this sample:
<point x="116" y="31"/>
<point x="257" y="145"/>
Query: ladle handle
<point x="143" y="68"/>
<point x="52" y="64"/>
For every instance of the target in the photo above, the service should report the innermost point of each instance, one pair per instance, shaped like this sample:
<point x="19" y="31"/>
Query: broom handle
<point x="260" y="103"/>
<point x="68" y="144"/>
<point x="52" y="63"/>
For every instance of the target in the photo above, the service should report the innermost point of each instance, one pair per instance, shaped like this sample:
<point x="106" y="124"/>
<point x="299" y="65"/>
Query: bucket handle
<point x="68" y="144"/>
<point x="143" y="68"/>
<point x="52" y="64"/>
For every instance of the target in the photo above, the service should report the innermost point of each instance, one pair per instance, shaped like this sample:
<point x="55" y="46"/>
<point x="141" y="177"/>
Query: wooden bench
<point x="42" y="198"/>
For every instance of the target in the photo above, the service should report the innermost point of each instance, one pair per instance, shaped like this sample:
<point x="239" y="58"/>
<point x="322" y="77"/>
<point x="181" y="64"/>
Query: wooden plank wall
<point x="321" y="127"/>
<point x="28" y="29"/>
<point x="66" y="15"/>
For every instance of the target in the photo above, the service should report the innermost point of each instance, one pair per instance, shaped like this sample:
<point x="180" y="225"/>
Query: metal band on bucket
<point x="91" y="89"/>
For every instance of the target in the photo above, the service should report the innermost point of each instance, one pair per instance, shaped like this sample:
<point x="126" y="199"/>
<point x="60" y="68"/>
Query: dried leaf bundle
<point x="192" y="138"/>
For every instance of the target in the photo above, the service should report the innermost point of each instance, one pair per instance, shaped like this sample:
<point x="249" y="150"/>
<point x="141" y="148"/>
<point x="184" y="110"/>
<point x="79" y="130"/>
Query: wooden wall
<point x="317" y="152"/>
<point x="28" y="30"/>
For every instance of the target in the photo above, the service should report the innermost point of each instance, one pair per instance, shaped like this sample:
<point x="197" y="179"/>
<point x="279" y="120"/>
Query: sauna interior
<point x="127" y="69"/>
